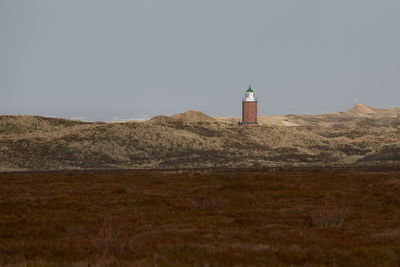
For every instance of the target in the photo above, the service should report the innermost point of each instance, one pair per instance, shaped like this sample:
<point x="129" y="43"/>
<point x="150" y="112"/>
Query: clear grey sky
<point x="132" y="57"/>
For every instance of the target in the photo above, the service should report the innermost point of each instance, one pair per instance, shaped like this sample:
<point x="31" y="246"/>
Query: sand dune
<point x="362" y="135"/>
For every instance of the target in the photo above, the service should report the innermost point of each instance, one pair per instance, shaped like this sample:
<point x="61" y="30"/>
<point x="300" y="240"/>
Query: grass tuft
<point x="330" y="216"/>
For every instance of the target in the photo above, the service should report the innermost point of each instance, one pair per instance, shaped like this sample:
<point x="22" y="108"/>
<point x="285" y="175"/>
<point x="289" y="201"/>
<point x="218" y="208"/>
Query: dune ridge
<point x="362" y="135"/>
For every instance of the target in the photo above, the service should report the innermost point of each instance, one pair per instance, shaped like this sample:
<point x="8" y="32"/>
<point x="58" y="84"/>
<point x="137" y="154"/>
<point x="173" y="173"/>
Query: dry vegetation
<point x="145" y="218"/>
<point x="361" y="136"/>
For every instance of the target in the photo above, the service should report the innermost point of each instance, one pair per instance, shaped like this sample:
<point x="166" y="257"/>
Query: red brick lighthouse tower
<point x="249" y="108"/>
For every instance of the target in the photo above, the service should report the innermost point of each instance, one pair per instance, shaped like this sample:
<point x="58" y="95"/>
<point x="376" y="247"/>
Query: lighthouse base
<point x="246" y="123"/>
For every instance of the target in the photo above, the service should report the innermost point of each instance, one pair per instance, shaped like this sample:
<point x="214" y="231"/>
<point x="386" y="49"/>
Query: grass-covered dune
<point x="361" y="136"/>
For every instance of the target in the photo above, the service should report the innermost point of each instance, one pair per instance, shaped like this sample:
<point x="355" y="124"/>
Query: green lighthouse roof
<point x="249" y="90"/>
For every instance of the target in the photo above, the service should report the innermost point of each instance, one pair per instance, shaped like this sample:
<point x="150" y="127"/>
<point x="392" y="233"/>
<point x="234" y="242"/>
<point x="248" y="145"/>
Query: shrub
<point x="329" y="216"/>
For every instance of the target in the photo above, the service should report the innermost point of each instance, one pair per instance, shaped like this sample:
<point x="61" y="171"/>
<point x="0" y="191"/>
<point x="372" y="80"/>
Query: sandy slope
<point x="357" y="111"/>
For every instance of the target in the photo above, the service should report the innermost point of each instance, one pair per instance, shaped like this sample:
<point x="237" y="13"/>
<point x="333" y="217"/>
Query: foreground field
<point x="325" y="217"/>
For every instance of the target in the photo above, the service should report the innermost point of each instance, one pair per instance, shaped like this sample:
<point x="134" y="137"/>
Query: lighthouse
<point x="249" y="108"/>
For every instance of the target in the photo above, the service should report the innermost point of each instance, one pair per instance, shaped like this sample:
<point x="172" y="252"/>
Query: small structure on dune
<point x="249" y="108"/>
